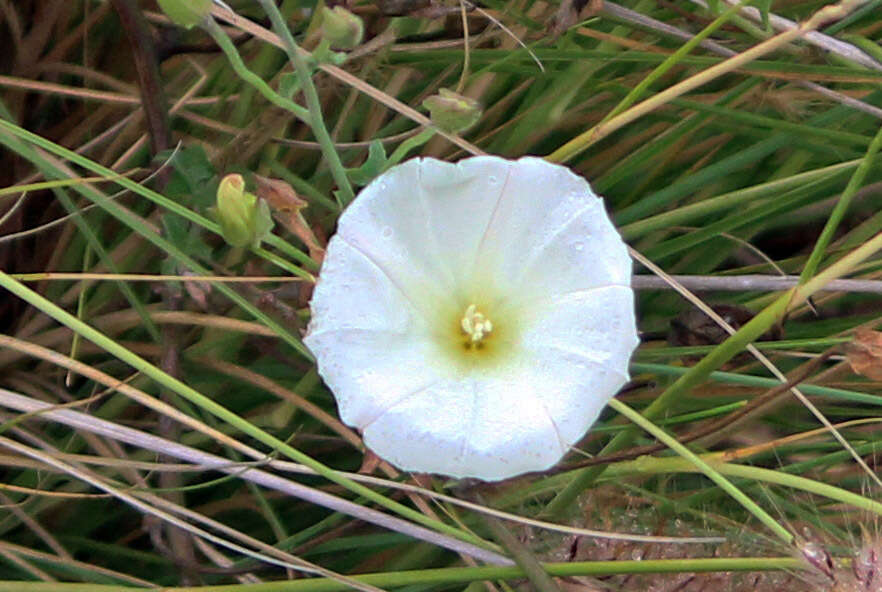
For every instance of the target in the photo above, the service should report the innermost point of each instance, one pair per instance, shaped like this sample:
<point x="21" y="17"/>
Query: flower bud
<point x="186" y="13"/>
<point x="244" y="220"/>
<point x="452" y="112"/>
<point x="341" y="28"/>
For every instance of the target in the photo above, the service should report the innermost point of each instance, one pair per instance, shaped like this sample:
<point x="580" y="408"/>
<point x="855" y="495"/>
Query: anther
<point x="475" y="325"/>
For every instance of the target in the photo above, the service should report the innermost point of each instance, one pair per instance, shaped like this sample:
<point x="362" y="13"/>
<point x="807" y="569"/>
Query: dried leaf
<point x="286" y="206"/>
<point x="280" y="196"/>
<point x="864" y="353"/>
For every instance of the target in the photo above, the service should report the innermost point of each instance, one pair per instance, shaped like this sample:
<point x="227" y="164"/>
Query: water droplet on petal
<point x="492" y="179"/>
<point x="386" y="232"/>
<point x="579" y="245"/>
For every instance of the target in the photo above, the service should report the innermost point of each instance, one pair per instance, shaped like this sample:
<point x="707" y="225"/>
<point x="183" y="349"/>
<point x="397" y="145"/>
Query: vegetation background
<point x="163" y="427"/>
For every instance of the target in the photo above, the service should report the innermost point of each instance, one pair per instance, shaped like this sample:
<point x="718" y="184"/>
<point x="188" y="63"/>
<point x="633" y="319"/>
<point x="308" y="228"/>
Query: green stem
<point x="523" y="557"/>
<point x="27" y="187"/>
<point x="221" y="412"/>
<point x="704" y="467"/>
<point x="724" y="352"/>
<point x="762" y="382"/>
<point x="316" y="121"/>
<point x="93" y="241"/>
<point x="455" y="575"/>
<point x="672" y="60"/>
<point x="81" y="310"/>
<point x="108" y="205"/>
<point x="282" y="263"/>
<point x="226" y="44"/>
<point x="857" y="179"/>
<point x="648" y="464"/>
<point x="408" y="145"/>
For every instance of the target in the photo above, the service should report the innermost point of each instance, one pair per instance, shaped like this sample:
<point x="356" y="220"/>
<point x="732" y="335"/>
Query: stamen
<point x="475" y="325"/>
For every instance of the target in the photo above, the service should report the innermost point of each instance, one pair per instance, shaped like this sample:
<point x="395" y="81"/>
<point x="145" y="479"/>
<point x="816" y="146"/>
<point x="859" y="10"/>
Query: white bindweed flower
<point x="473" y="319"/>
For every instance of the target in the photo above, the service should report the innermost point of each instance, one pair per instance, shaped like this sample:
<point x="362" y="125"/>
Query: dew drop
<point x="492" y="179"/>
<point x="386" y="232"/>
<point x="578" y="245"/>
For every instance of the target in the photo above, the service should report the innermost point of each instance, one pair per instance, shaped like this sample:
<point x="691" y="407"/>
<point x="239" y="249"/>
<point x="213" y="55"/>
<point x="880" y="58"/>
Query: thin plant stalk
<point x="709" y="471"/>
<point x="672" y="60"/>
<point x="654" y="465"/>
<point x="226" y="44"/>
<point x="219" y="411"/>
<point x="724" y="352"/>
<point x="157" y="198"/>
<point x="590" y="137"/>
<point x="316" y="120"/>
<point x="762" y="382"/>
<point x="855" y="183"/>
<point x="409" y="144"/>
<point x="458" y="575"/>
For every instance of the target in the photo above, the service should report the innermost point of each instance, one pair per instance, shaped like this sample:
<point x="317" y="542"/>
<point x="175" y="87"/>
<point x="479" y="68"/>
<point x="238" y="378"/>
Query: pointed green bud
<point x="186" y="13"/>
<point x="244" y="220"/>
<point x="452" y="112"/>
<point x="341" y="28"/>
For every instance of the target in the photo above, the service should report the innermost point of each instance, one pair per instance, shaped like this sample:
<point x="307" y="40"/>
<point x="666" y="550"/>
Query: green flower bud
<point x="244" y="220"/>
<point x="341" y="28"/>
<point x="452" y="112"/>
<point x="186" y="13"/>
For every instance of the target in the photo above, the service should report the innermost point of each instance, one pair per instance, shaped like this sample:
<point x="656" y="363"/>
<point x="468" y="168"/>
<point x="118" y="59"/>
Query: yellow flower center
<point x="475" y="325"/>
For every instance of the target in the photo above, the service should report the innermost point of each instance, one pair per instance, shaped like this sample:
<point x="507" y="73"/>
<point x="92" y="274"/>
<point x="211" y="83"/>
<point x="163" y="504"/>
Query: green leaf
<point x="194" y="180"/>
<point x="764" y="6"/>
<point x="372" y="166"/>
<point x="186" y="236"/>
<point x="186" y="13"/>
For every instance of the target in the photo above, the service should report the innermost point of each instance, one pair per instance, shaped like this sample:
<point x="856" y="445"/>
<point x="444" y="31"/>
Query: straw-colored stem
<point x="604" y="129"/>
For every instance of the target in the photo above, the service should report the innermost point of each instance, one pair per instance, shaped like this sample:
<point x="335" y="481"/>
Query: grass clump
<point x="163" y="424"/>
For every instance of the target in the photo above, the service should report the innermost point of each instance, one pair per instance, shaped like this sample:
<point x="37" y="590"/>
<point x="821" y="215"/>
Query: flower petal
<point x="461" y="200"/>
<point x="531" y="246"/>
<point x="468" y="428"/>
<point x="572" y="389"/>
<point x="562" y="236"/>
<point x="370" y="372"/>
<point x="354" y="293"/>
<point x="596" y="325"/>
<point x="425" y="432"/>
<point x="390" y="225"/>
<point x="512" y="430"/>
